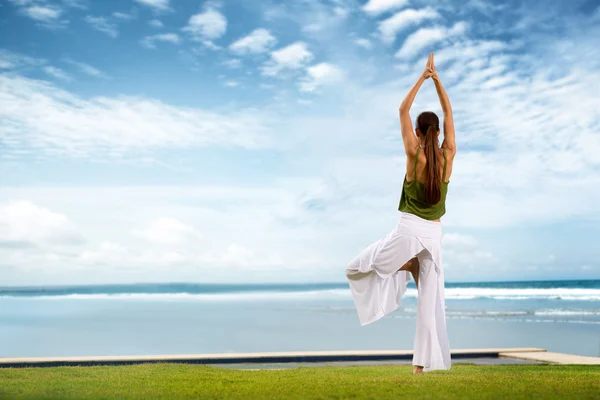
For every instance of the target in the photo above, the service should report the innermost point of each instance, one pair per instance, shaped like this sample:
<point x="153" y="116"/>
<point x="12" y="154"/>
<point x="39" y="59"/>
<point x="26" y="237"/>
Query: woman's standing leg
<point x="431" y="349"/>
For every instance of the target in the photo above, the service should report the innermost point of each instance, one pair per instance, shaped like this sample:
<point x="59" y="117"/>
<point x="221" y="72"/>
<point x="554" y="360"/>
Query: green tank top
<point x="413" y="201"/>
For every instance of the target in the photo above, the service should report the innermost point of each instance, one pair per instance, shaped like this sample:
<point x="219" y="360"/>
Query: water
<point x="562" y="316"/>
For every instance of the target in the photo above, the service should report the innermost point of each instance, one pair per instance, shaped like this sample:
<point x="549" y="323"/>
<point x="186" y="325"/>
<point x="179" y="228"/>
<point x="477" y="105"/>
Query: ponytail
<point x="433" y="186"/>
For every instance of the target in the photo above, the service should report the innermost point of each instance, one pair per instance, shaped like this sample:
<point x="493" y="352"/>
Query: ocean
<point x="133" y="319"/>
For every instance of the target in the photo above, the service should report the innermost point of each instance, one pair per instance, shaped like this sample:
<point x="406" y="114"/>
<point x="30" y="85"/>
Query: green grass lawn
<point x="151" y="381"/>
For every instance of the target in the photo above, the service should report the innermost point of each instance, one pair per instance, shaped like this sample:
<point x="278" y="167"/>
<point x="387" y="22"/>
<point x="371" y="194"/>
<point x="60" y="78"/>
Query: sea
<point x="188" y="318"/>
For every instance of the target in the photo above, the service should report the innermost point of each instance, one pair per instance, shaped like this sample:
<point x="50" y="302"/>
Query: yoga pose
<point x="379" y="275"/>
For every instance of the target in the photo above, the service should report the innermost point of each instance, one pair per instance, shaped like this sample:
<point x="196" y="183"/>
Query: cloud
<point x="168" y="231"/>
<point x="124" y="16"/>
<point x="364" y="43"/>
<point x="425" y="37"/>
<point x="317" y="18"/>
<point x="376" y="7"/>
<point x="233" y="63"/>
<point x="16" y="61"/>
<point x="27" y="224"/>
<point x="20" y="63"/>
<point x="103" y="25"/>
<point x="86" y="68"/>
<point x="60" y="123"/>
<point x="210" y="45"/>
<point x="464" y="253"/>
<point x="291" y="57"/>
<point x="231" y="84"/>
<point x="341" y="12"/>
<point x="460" y="242"/>
<point x="159" y="5"/>
<point x="206" y="26"/>
<point x="319" y="75"/>
<point x="130" y="241"/>
<point x="80" y="4"/>
<point x="390" y="27"/>
<point x="155" y="23"/>
<point x="44" y="14"/>
<point x="57" y="73"/>
<point x="258" y="41"/>
<point x="149" y="41"/>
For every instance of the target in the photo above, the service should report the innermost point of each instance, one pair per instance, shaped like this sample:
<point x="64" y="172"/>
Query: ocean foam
<point x="453" y="293"/>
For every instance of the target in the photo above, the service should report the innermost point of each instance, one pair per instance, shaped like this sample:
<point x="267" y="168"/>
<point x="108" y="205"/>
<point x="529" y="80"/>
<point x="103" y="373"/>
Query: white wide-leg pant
<point x="377" y="286"/>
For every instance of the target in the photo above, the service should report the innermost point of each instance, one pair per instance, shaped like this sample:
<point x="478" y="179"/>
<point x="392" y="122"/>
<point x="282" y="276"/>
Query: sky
<point x="246" y="141"/>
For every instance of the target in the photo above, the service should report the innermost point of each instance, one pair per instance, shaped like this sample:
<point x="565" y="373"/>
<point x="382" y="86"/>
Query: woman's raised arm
<point x="449" y="138"/>
<point x="408" y="136"/>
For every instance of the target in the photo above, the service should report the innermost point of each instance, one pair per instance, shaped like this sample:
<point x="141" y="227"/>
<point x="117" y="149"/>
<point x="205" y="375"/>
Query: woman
<point x="379" y="275"/>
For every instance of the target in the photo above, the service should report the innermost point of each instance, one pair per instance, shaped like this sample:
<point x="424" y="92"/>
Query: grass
<point x="171" y="381"/>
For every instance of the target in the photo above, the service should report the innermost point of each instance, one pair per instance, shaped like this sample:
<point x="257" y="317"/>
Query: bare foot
<point x="417" y="370"/>
<point x="413" y="267"/>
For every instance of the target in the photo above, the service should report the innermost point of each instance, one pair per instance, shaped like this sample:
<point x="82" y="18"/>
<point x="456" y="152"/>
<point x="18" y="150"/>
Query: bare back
<point x="422" y="165"/>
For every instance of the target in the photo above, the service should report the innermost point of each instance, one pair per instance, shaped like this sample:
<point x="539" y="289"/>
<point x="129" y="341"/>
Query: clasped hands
<point x="430" y="71"/>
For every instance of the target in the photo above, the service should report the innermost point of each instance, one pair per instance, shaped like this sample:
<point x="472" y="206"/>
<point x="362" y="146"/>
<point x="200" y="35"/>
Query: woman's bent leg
<point x="375" y="282"/>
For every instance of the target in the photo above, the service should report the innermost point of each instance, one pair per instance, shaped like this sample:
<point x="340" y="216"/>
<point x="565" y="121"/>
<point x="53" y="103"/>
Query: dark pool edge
<point x="257" y="358"/>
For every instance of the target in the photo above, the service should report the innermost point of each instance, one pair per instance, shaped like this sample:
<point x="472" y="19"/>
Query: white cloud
<point x="155" y="23"/>
<point x="488" y="9"/>
<point x="425" y="37"/>
<point x="80" y="4"/>
<point x="463" y="253"/>
<point x="244" y="233"/>
<point x="460" y="242"/>
<point x="321" y="74"/>
<point x="231" y="84"/>
<point x="160" y="5"/>
<point x="210" y="45"/>
<point x="258" y="41"/>
<point x="233" y="63"/>
<point x="57" y="73"/>
<point x="313" y="17"/>
<point x="341" y="12"/>
<point x="291" y="57"/>
<point x="206" y="26"/>
<point x="376" y="7"/>
<point x="86" y="68"/>
<point x="149" y="41"/>
<point x="12" y="61"/>
<point x="364" y="43"/>
<point x="390" y="27"/>
<point x="109" y="254"/>
<point x="124" y="16"/>
<point x="43" y="13"/>
<point x="19" y="62"/>
<point x="57" y="122"/>
<point x="24" y="224"/>
<point x="103" y="25"/>
<point x="318" y="18"/>
<point x="168" y="231"/>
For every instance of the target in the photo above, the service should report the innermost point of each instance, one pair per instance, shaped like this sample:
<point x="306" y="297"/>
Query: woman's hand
<point x="435" y="75"/>
<point x="429" y="68"/>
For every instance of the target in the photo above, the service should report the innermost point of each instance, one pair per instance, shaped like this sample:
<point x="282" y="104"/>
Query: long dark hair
<point x="428" y="124"/>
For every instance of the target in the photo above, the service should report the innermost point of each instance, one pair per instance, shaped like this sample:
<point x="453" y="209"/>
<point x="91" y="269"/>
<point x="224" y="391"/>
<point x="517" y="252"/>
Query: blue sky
<point x="236" y="141"/>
